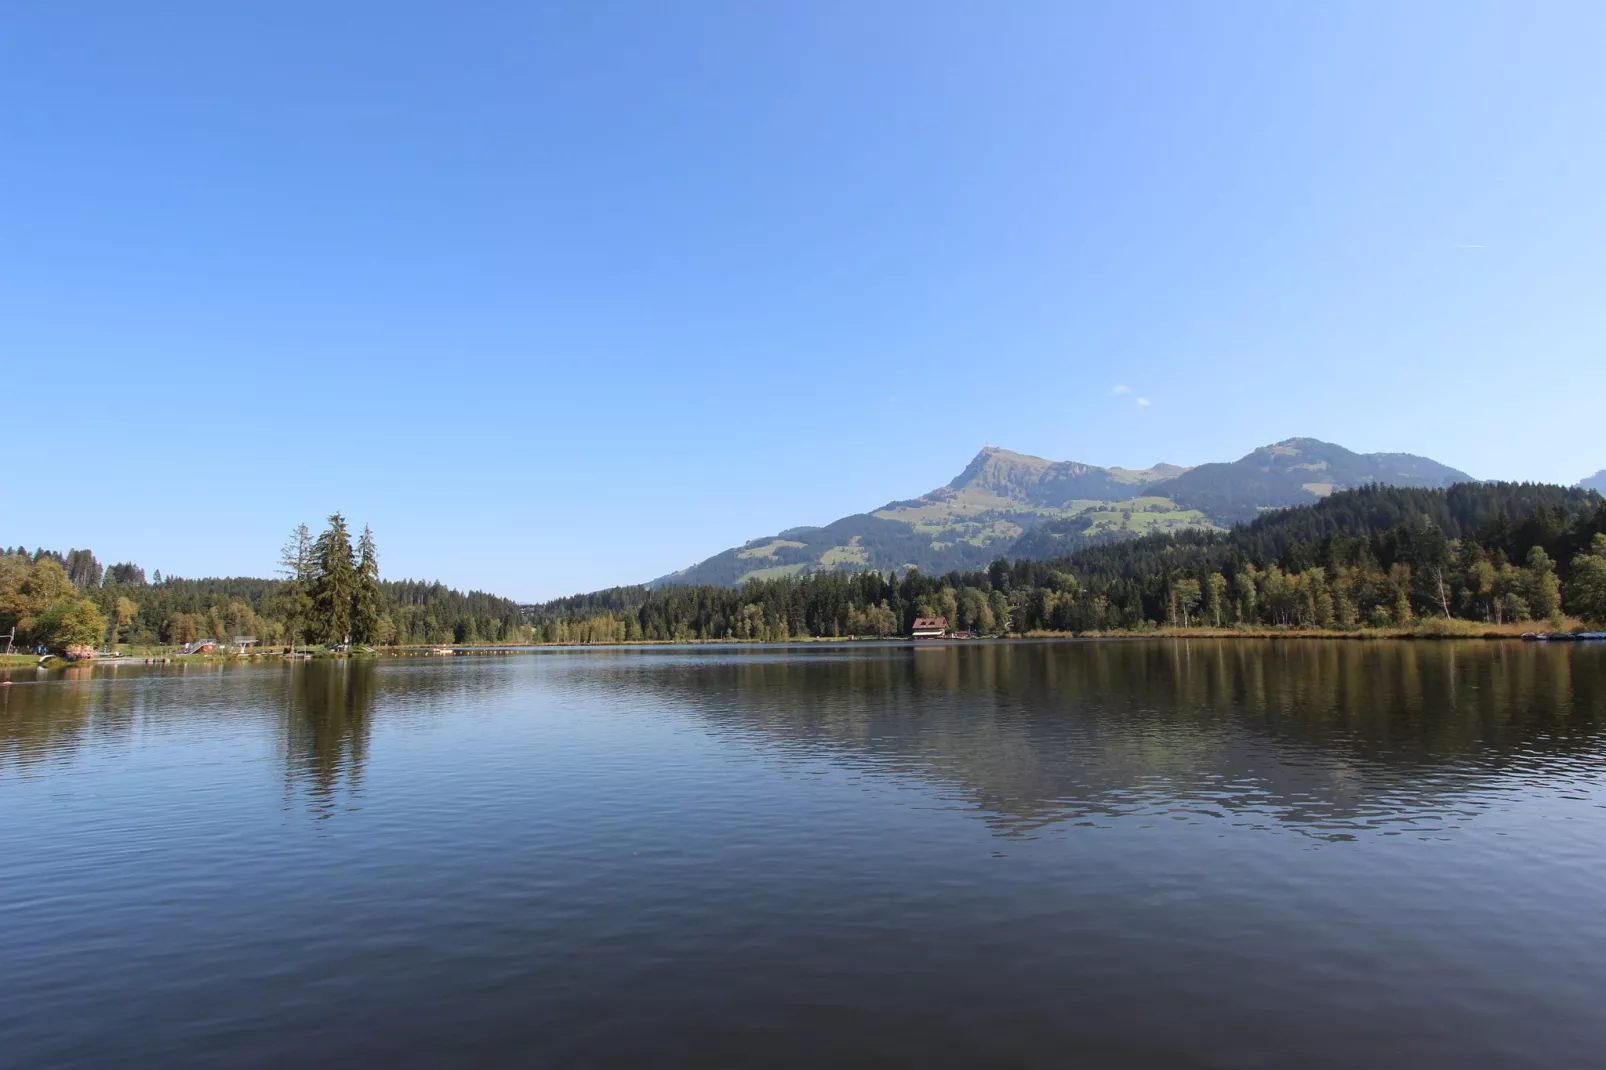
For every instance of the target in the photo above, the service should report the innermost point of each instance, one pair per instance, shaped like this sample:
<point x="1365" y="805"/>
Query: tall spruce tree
<point x="125" y="574"/>
<point x="368" y="602"/>
<point x="335" y="584"/>
<point x="83" y="569"/>
<point x="298" y="565"/>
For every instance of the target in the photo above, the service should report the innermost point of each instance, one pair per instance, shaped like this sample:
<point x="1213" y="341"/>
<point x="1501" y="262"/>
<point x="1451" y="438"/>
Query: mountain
<point x="970" y="521"/>
<point x="1292" y="473"/>
<point x="1296" y="471"/>
<point x="1007" y="503"/>
<point x="1595" y="482"/>
<point x="1002" y="479"/>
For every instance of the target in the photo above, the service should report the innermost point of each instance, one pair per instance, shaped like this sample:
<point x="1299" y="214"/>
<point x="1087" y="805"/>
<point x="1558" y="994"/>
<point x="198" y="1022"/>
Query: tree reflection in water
<point x="1324" y="738"/>
<point x="328" y="726"/>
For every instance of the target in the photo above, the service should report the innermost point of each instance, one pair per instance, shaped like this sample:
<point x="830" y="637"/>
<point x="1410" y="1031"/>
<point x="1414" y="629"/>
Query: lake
<point x="1124" y="853"/>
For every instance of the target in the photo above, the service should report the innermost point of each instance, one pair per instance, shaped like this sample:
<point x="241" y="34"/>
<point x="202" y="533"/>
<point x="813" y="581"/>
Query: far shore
<point x="1436" y="628"/>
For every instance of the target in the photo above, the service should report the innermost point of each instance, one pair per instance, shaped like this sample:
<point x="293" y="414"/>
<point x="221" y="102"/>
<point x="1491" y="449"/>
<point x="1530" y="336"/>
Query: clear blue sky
<point x="556" y="296"/>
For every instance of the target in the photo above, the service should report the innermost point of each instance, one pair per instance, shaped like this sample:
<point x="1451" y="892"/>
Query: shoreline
<point x="1428" y="631"/>
<point x="1433" y="630"/>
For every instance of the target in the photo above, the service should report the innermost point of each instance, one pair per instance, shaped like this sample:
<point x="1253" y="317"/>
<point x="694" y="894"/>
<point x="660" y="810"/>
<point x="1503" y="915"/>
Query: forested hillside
<point x="1373" y="557"/>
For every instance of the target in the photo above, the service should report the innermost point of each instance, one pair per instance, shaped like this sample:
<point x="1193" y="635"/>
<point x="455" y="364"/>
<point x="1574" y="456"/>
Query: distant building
<point x="200" y="646"/>
<point x="930" y="628"/>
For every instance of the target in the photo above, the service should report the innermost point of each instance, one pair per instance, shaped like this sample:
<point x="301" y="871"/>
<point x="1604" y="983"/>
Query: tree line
<point x="1375" y="557"/>
<point x="1378" y="557"/>
<point x="328" y="591"/>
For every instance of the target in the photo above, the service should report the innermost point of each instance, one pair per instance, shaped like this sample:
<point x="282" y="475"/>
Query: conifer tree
<point x="335" y="584"/>
<point x="368" y="601"/>
<point x="298" y="565"/>
<point x="83" y="569"/>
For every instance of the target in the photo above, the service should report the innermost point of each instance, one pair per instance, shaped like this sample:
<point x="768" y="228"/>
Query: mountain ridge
<point x="1017" y="504"/>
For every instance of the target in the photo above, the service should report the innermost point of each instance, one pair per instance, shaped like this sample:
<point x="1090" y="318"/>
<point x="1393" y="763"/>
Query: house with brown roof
<point x="930" y="628"/>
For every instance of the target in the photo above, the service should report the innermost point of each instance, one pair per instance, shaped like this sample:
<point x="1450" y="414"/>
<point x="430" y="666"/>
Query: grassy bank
<point x="1432" y="628"/>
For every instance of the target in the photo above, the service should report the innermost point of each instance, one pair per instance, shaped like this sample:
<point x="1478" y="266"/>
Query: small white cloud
<point x="1144" y="402"/>
<point x="1122" y="389"/>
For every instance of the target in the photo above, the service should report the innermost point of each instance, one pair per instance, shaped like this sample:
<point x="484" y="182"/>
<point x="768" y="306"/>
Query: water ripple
<point x="1172" y="853"/>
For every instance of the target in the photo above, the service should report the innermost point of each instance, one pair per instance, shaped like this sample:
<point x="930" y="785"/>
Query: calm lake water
<point x="1168" y="853"/>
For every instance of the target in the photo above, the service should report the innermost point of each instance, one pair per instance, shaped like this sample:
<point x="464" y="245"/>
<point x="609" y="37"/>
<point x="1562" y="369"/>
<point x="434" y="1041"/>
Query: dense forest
<point x="328" y="592"/>
<point x="1381" y="557"/>
<point x="1376" y="557"/>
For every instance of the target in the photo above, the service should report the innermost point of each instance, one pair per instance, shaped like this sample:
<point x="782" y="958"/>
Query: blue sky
<point x="557" y="296"/>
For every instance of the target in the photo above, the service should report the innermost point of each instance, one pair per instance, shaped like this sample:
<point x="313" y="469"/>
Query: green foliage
<point x="173" y="611"/>
<point x="72" y="624"/>
<point x="41" y="603"/>
<point x="367" y="601"/>
<point x="33" y="597"/>
<point x="1186" y="594"/>
<point x="124" y="612"/>
<point x="1542" y="588"/>
<point x="1586" y="590"/>
<point x="334" y="586"/>
<point x="125" y="574"/>
<point x="292" y="602"/>
<point x="82" y="569"/>
<point x="1372" y="557"/>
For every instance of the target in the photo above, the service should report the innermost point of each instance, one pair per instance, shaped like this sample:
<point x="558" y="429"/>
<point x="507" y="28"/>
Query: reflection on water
<point x="1150" y="853"/>
<point x="322" y="712"/>
<point x="1326" y="737"/>
<point x="327" y="729"/>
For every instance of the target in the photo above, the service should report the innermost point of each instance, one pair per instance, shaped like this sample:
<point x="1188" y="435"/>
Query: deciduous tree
<point x="1586" y="589"/>
<point x="1542" y="589"/>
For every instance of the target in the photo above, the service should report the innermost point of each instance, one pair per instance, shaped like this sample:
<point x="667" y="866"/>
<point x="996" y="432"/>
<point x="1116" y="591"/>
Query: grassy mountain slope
<point x="854" y="542"/>
<point x="968" y="522"/>
<point x="1295" y="472"/>
<point x="1022" y="506"/>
